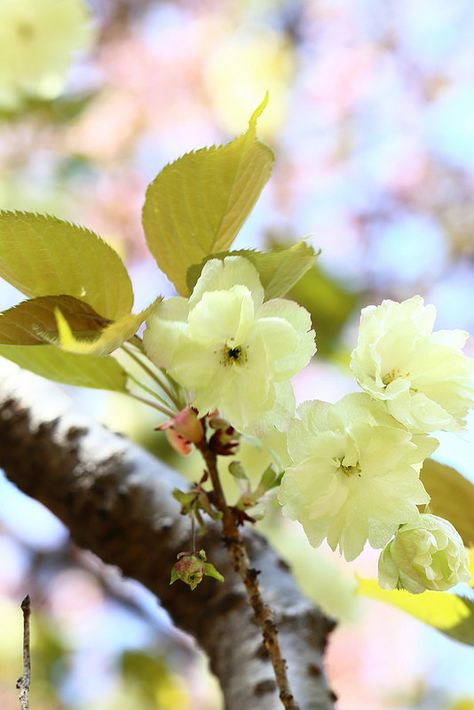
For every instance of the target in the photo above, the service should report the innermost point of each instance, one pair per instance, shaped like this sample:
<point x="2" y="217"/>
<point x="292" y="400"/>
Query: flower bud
<point x="189" y="569"/>
<point x="188" y="425"/>
<point x="427" y="554"/>
<point x="225" y="442"/>
<point x="183" y="430"/>
<point x="192" y="567"/>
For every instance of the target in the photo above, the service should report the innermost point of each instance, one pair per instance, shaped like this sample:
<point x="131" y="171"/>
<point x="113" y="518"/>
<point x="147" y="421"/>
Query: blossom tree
<point x="215" y="363"/>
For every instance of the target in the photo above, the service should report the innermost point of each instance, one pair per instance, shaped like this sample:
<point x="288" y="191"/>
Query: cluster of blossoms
<point x="355" y="465"/>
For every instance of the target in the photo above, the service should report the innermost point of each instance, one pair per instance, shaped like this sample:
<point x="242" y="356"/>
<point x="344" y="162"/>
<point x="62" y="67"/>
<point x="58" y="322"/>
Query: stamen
<point x="393" y="375"/>
<point x="234" y="355"/>
<point x="350" y="470"/>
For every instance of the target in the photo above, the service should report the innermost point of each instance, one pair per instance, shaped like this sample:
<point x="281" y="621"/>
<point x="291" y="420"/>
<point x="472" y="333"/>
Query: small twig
<point x="241" y="564"/>
<point x="23" y="683"/>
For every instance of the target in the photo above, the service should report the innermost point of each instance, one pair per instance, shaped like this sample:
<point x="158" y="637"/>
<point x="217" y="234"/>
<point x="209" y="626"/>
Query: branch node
<point x="265" y="686"/>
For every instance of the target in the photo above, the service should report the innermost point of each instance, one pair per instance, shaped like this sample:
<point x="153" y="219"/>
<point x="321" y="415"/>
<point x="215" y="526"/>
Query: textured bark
<point x="116" y="500"/>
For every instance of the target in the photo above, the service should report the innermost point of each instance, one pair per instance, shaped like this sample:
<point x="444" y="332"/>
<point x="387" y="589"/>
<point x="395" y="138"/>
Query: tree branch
<point x="117" y="501"/>
<point x="263" y="616"/>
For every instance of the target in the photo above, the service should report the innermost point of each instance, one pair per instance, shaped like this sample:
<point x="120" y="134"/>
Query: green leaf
<point x="186" y="500"/>
<point x="451" y="614"/>
<point x="26" y="323"/>
<point x="237" y="471"/>
<point x="210" y="571"/>
<point x="197" y="205"/>
<point x="46" y="256"/>
<point x="452" y="497"/>
<point x="109" y="339"/>
<point x="174" y="575"/>
<point x="271" y="478"/>
<point x="70" y="369"/>
<point x="279" y="270"/>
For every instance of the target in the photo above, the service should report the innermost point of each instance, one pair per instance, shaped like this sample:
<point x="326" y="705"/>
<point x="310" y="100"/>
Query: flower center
<point x="234" y="355"/>
<point x="393" y="375"/>
<point x="350" y="471"/>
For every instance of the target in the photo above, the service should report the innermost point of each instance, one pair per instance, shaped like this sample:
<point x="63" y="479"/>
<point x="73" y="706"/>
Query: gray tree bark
<point x="116" y="500"/>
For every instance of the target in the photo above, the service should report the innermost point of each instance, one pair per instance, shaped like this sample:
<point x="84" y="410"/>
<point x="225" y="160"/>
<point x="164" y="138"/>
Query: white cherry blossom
<point x="355" y="473"/>
<point x="423" y="377"/>
<point x="231" y="350"/>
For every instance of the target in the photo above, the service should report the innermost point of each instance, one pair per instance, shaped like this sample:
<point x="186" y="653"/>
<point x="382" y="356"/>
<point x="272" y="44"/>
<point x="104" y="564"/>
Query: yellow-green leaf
<point x="451" y="614"/>
<point x="68" y="368"/>
<point x="279" y="270"/>
<point x="452" y="497"/>
<point x="197" y="205"/>
<point x="109" y="339"/>
<point x="29" y="321"/>
<point x="46" y="256"/>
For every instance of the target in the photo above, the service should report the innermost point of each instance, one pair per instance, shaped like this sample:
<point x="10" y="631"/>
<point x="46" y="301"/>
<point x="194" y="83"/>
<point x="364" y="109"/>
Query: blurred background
<point x="371" y="116"/>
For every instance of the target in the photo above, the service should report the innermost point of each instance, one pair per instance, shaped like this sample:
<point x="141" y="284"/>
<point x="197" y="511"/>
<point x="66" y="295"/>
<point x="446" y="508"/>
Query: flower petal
<point x="194" y="366"/>
<point x="165" y="327"/>
<point x="223" y="274"/>
<point x="222" y="316"/>
<point x="291" y="353"/>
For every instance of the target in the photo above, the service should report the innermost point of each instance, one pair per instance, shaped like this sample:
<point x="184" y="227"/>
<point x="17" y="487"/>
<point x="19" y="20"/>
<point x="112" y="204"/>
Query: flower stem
<point x="154" y="405"/>
<point x="241" y="564"/>
<point x="151" y="392"/>
<point x="153" y="375"/>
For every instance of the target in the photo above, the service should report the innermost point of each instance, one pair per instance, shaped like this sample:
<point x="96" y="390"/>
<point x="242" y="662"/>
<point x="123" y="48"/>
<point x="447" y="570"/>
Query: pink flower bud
<point x="177" y="442"/>
<point x="183" y="430"/>
<point x="188" y="425"/>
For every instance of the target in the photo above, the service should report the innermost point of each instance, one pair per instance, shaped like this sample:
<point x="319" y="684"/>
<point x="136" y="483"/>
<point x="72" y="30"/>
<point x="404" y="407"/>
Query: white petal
<point x="222" y="316"/>
<point x="419" y="413"/>
<point x="244" y="401"/>
<point x="194" y="366"/>
<point x="176" y="308"/>
<point x="222" y="274"/>
<point x="296" y="315"/>
<point x="209" y="397"/>
<point x="303" y="432"/>
<point x="290" y="353"/>
<point x="165" y="327"/>
<point x="314" y="414"/>
<point x="282" y="411"/>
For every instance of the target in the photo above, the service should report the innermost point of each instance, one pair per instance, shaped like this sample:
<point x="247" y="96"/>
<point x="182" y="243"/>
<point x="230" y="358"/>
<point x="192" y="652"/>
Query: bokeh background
<point x="371" y="116"/>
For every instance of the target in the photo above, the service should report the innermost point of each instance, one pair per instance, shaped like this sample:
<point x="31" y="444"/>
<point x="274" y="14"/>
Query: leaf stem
<point x="241" y="564"/>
